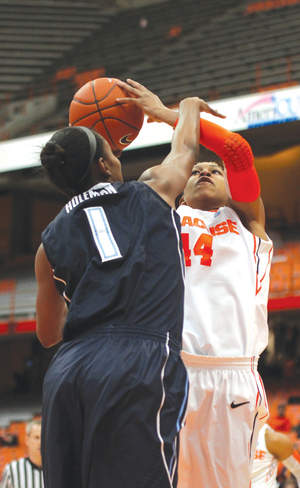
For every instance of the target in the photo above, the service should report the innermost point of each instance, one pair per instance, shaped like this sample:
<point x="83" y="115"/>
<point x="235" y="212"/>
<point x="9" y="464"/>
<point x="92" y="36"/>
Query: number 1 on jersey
<point x="102" y="234"/>
<point x="203" y="248"/>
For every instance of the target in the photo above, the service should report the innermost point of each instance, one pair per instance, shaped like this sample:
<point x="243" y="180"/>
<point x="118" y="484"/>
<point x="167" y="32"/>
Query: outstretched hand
<point x="151" y="103"/>
<point x="204" y="107"/>
<point x="144" y="98"/>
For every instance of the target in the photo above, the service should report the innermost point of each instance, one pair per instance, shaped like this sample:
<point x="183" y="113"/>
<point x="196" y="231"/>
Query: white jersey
<point x="264" y="470"/>
<point x="227" y="284"/>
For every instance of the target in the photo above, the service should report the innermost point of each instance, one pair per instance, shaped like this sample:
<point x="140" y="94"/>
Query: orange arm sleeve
<point x="241" y="178"/>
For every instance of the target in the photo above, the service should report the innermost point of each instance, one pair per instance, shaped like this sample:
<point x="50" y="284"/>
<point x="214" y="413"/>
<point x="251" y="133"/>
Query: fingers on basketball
<point x="95" y="106"/>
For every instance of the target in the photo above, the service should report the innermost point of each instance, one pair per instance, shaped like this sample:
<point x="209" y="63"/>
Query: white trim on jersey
<point x="65" y="283"/>
<point x="102" y="234"/>
<point x="66" y="298"/>
<point x="184" y="404"/>
<point x="59" y="279"/>
<point x="171" y="469"/>
<point x="159" y="410"/>
<point x="173" y="462"/>
<point x="180" y="424"/>
<point x="180" y="252"/>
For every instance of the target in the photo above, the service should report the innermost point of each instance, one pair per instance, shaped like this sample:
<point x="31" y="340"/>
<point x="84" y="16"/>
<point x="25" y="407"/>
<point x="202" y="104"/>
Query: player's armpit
<point x="169" y="178"/>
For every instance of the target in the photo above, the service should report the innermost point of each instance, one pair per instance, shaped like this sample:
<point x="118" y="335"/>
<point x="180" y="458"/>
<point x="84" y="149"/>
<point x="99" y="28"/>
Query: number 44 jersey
<point x="227" y="284"/>
<point x="117" y="260"/>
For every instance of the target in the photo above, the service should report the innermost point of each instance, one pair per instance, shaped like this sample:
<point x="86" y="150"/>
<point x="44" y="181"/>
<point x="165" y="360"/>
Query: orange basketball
<point x="94" y="106"/>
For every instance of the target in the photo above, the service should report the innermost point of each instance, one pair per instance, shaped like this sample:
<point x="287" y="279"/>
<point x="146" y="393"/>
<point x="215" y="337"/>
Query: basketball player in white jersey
<point x="227" y="255"/>
<point x="273" y="448"/>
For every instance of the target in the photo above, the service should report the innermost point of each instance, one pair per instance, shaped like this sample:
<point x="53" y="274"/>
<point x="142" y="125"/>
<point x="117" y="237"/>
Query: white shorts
<point x="227" y="406"/>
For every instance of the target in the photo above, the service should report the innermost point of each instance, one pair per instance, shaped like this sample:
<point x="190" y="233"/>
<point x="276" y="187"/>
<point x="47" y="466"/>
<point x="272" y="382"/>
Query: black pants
<point x="113" y="405"/>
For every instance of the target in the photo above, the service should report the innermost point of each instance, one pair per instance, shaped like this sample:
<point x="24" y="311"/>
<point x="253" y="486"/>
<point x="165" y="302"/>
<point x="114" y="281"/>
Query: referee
<point x="26" y="472"/>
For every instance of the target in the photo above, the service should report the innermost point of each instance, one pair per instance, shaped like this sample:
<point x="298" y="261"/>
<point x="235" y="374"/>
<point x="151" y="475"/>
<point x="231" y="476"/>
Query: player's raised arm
<point x="242" y="183"/>
<point x="170" y="178"/>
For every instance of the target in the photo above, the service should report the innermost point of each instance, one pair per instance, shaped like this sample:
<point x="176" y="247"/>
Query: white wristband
<point x="293" y="465"/>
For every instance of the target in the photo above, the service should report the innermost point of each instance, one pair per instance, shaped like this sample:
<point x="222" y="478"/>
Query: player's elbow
<point x="46" y="336"/>
<point x="46" y="341"/>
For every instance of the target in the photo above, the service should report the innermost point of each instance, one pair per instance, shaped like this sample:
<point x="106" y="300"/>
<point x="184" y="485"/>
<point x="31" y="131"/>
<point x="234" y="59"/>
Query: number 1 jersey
<point x="116" y="254"/>
<point x="226" y="286"/>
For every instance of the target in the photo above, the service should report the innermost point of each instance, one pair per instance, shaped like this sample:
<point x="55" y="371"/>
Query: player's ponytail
<point x="67" y="158"/>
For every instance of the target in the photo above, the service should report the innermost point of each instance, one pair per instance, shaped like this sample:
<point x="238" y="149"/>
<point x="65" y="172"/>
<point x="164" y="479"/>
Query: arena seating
<point x="231" y="54"/>
<point x="175" y="51"/>
<point x="7" y="454"/>
<point x="35" y="35"/>
<point x="285" y="271"/>
<point x="286" y="392"/>
<point x="24" y="298"/>
<point x="213" y="49"/>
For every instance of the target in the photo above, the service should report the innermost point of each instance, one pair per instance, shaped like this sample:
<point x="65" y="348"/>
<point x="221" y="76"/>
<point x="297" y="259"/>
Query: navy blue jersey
<point x="116" y="255"/>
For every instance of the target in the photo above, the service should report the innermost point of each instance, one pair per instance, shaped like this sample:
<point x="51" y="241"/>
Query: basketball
<point x="94" y="106"/>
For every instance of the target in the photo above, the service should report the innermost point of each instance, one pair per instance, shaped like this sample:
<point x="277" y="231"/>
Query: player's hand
<point x="144" y="98"/>
<point x="204" y="107"/>
<point x="153" y="106"/>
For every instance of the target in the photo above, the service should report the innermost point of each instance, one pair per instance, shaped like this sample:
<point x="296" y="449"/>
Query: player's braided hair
<point x="67" y="158"/>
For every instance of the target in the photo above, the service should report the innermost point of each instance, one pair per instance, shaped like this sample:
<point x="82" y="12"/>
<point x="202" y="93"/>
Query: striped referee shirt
<point x="22" y="473"/>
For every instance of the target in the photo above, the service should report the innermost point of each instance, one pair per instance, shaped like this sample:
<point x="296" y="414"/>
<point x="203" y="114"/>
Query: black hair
<point x="67" y="158"/>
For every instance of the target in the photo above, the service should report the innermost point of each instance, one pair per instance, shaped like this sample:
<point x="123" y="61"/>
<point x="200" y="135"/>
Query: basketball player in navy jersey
<point x="110" y="283"/>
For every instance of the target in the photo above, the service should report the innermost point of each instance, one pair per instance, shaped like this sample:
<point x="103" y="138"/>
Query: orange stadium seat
<point x="8" y="454"/>
<point x="281" y="278"/>
<point x="285" y="271"/>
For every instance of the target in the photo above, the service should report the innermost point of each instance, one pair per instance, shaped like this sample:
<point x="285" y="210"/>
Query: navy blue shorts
<point x="113" y="405"/>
